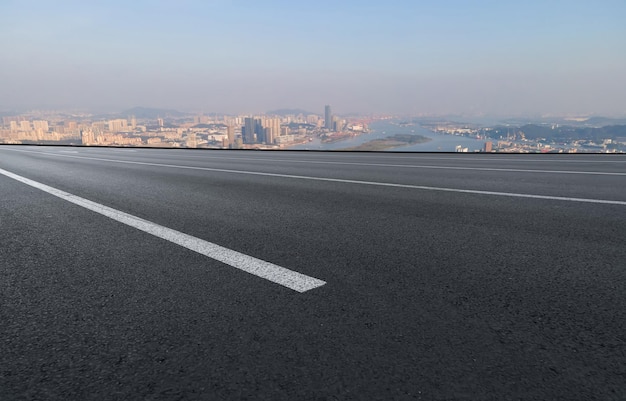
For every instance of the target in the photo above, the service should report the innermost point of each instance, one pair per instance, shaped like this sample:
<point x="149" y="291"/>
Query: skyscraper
<point x="328" y="118"/>
<point x="248" y="130"/>
<point x="230" y="132"/>
<point x="272" y="129"/>
<point x="259" y="131"/>
<point x="337" y="124"/>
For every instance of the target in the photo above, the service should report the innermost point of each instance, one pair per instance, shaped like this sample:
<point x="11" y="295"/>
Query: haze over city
<point x="438" y="57"/>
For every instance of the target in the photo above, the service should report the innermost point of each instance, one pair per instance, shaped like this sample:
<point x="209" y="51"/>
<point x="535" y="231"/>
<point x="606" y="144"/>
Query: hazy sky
<point x="412" y="56"/>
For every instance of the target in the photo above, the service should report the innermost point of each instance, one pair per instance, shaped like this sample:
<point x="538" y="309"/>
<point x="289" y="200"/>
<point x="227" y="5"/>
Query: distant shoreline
<point x="390" y="142"/>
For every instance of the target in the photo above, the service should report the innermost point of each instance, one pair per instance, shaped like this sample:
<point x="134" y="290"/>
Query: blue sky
<point x="446" y="56"/>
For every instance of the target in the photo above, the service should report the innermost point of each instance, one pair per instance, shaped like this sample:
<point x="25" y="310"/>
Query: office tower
<point x="268" y="134"/>
<point x="259" y="131"/>
<point x="271" y="129"/>
<point x="230" y="133"/>
<point x="337" y="124"/>
<point x="248" y="130"/>
<point x="328" y="118"/>
<point x="488" y="147"/>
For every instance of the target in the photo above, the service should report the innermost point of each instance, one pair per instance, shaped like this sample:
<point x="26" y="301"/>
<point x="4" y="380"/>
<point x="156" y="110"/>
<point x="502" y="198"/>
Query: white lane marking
<point x="340" y="180"/>
<point x="269" y="271"/>
<point x="471" y="157"/>
<point x="529" y="159"/>
<point x="508" y="170"/>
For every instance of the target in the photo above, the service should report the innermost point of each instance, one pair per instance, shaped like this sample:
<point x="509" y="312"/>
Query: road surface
<point x="187" y="274"/>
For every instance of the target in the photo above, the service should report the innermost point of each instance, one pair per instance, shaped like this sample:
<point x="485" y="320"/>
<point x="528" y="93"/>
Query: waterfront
<point x="384" y="129"/>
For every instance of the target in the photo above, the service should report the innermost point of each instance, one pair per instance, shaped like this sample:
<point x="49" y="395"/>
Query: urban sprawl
<point x="271" y="131"/>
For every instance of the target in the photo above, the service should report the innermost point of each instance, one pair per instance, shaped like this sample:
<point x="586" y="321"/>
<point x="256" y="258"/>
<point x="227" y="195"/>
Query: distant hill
<point x="604" y="121"/>
<point x="563" y="133"/>
<point x="596" y="121"/>
<point x="151" y="113"/>
<point x="286" y="112"/>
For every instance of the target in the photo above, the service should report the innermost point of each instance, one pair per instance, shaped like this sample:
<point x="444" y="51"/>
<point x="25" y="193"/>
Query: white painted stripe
<point x="529" y="158"/>
<point x="479" y="157"/>
<point x="382" y="184"/>
<point x="507" y="170"/>
<point x="277" y="274"/>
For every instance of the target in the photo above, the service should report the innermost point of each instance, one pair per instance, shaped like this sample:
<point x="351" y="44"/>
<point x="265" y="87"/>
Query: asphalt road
<point x="447" y="277"/>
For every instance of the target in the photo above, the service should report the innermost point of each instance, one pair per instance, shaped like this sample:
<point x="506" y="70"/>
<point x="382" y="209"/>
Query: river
<point x="383" y="129"/>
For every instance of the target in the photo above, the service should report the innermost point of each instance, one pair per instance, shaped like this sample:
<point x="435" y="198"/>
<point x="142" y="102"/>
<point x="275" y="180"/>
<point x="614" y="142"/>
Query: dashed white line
<point x="269" y="271"/>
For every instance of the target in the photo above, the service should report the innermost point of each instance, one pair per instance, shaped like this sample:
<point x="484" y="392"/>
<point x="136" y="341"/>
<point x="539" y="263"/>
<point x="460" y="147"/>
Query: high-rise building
<point x="87" y="137"/>
<point x="268" y="135"/>
<point x="337" y="124"/>
<point x="328" y="118"/>
<point x="98" y="127"/>
<point x="253" y="130"/>
<point x="191" y="140"/>
<point x="230" y="133"/>
<point x="488" y="147"/>
<point x="40" y="125"/>
<point x="117" y="125"/>
<point x="259" y="131"/>
<point x="272" y="129"/>
<point x="248" y="130"/>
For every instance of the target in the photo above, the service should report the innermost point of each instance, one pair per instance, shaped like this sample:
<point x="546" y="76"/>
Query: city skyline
<point x="294" y="129"/>
<point x="446" y="57"/>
